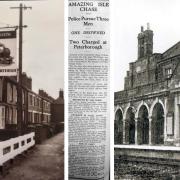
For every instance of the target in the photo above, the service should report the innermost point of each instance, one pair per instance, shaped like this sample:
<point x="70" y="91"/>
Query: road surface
<point x="43" y="162"/>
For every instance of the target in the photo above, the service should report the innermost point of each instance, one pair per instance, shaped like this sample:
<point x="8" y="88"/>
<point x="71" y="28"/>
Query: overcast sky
<point x="43" y="42"/>
<point x="128" y="16"/>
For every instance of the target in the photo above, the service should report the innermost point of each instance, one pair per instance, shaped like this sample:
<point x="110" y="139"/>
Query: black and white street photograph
<point x="146" y="56"/>
<point x="32" y="90"/>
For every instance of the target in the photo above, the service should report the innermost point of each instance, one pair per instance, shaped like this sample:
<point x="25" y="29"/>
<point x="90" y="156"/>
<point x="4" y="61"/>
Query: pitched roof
<point x="172" y="51"/>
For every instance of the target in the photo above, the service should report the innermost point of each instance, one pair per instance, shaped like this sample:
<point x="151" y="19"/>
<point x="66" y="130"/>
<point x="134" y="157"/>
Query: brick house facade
<point x="36" y="106"/>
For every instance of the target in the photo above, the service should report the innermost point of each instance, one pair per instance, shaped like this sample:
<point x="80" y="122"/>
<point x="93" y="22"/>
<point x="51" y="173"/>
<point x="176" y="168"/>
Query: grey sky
<point x="128" y="16"/>
<point x="43" y="57"/>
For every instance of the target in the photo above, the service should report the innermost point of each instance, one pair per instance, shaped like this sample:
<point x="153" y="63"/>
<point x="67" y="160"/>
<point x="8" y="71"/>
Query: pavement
<point x="42" y="162"/>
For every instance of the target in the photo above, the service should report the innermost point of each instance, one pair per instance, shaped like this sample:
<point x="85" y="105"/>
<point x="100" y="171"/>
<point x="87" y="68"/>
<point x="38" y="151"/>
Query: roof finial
<point x="148" y="26"/>
<point x="142" y="29"/>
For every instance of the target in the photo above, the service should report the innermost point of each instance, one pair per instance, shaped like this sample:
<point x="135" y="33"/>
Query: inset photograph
<point x="147" y="90"/>
<point x="31" y="90"/>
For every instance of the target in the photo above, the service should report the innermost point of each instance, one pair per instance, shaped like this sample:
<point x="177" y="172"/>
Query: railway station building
<point x="147" y="111"/>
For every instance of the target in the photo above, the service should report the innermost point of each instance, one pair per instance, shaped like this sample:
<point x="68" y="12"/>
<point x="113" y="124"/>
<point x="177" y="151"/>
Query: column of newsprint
<point x="88" y="89"/>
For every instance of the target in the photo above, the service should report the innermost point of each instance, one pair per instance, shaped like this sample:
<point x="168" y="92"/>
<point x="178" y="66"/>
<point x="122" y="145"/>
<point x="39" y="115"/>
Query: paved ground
<point x="43" y="162"/>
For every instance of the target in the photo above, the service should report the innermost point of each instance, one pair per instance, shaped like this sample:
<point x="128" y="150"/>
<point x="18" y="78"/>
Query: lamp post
<point x="19" y="89"/>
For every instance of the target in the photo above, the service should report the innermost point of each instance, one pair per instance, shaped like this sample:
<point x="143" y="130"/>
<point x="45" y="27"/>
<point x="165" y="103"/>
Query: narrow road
<point x="43" y="162"/>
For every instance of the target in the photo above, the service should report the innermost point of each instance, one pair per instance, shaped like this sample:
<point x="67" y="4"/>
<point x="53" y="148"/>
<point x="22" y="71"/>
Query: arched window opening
<point x="143" y="126"/>
<point x="158" y="124"/>
<point x="130" y="127"/>
<point x="118" y="127"/>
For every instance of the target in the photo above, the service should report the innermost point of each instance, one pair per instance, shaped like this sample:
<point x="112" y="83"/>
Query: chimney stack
<point x="148" y="26"/>
<point x="61" y="94"/>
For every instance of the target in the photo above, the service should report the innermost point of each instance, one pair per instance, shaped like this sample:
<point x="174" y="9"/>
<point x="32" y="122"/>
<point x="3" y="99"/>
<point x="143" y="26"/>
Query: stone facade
<point x="147" y="111"/>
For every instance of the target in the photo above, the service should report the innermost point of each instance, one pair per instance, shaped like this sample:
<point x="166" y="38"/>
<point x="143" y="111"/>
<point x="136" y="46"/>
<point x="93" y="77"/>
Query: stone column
<point x="124" y="131"/>
<point x="176" y="121"/>
<point x="165" y="120"/>
<point x="136" y="131"/>
<point x="150" y="128"/>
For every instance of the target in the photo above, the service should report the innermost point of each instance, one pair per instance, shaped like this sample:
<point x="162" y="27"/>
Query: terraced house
<point x="36" y="107"/>
<point x="147" y="111"/>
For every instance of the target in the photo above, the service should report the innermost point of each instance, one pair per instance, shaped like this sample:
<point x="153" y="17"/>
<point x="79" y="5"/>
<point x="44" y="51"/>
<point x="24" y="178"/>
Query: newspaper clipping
<point x="88" y="89"/>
